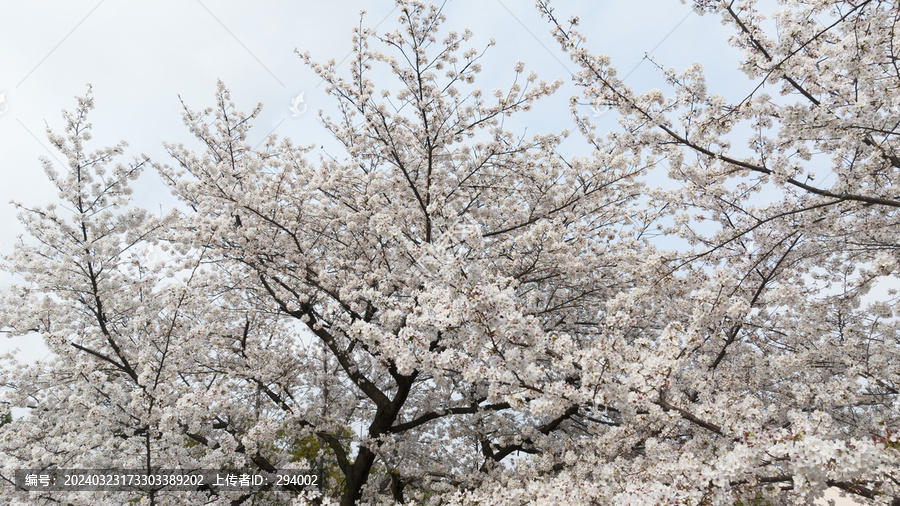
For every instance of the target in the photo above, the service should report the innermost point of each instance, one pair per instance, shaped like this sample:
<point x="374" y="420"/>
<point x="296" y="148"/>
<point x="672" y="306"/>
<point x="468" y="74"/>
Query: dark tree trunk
<point x="357" y="477"/>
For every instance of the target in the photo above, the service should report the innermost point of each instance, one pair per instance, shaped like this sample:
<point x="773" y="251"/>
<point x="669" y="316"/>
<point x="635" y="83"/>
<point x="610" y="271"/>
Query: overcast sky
<point x="140" y="57"/>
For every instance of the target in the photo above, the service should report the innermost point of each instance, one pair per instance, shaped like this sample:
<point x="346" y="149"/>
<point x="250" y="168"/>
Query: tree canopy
<point x="454" y="312"/>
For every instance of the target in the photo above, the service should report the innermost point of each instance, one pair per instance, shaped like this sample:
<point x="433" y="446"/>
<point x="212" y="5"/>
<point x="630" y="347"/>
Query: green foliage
<point x="320" y="456"/>
<point x="758" y="500"/>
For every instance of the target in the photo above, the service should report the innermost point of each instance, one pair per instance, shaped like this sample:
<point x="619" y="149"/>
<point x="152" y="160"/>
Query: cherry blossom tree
<point x="451" y="312"/>
<point x="785" y="372"/>
<point x="138" y="346"/>
<point x="432" y="264"/>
